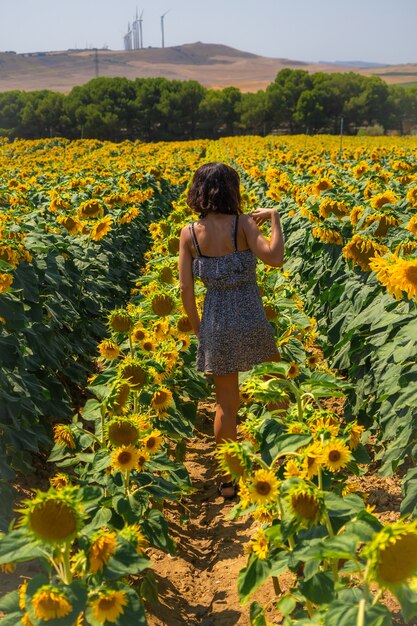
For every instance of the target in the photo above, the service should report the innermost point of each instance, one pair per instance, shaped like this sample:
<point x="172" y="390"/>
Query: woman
<point x="221" y="248"/>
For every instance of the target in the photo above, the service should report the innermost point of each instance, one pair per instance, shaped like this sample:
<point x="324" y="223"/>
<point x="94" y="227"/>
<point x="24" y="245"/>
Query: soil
<point x="198" y="586"/>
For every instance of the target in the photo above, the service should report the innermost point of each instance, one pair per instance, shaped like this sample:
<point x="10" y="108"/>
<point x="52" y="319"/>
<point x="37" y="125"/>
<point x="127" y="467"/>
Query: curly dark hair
<point x="215" y="189"/>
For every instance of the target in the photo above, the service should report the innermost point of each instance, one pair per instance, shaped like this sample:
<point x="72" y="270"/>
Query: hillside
<point x="212" y="65"/>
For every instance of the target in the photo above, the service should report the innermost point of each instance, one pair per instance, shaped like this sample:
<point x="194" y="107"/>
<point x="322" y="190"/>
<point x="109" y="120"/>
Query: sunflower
<point x="53" y="516"/>
<point x="122" y="431"/>
<point x="386" y="197"/>
<point x="335" y="455"/>
<point x="392" y="554"/>
<point x="6" y="281"/>
<point x="133" y="534"/>
<point x="384" y="223"/>
<point x="108" y="349"/>
<point x="384" y="270"/>
<point x="161" y="400"/>
<point x="148" y="344"/>
<point x="108" y="606"/>
<point x="118" y="397"/>
<point x="312" y="459"/>
<point x="22" y="589"/>
<point x="323" y="425"/>
<point x="162" y="305"/>
<point x="327" y="235"/>
<point x="404" y="275"/>
<point x="91" y="209"/>
<point x="59" y="481"/>
<point x="264" y="487"/>
<point x="306" y="503"/>
<point x="184" y="324"/>
<point x="412" y="197"/>
<point x="292" y="469"/>
<point x="231" y="459"/>
<point x="63" y="436"/>
<point x="120" y="321"/>
<point x="50" y="603"/>
<point x="143" y="458"/>
<point x="138" y="333"/>
<point x="361" y="250"/>
<point x="259" y="544"/>
<point x="356" y="214"/>
<point x="312" y="361"/>
<point x="125" y="458"/>
<point x="142" y="421"/>
<point x="7" y="568"/>
<point x="103" y="546"/>
<point x="25" y="620"/>
<point x="101" y="228"/>
<point x="328" y="206"/>
<point x="185" y="342"/>
<point x="293" y="370"/>
<point x="354" y="430"/>
<point x="132" y="370"/>
<point x="153" y="441"/>
<point x="321" y="185"/>
<point x="72" y="224"/>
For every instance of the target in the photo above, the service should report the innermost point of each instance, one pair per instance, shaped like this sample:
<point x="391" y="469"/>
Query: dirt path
<point x="199" y="585"/>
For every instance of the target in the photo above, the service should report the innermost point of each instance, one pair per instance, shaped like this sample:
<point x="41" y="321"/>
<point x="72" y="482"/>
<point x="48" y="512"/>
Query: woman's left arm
<point x="187" y="281"/>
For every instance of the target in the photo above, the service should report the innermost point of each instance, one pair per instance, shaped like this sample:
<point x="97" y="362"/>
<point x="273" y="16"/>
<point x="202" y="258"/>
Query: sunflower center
<point x="151" y="442"/>
<point x="334" y="456"/>
<point x="106" y="604"/>
<point x="305" y="505"/>
<point x="411" y="275"/>
<point x="398" y="561"/>
<point x="263" y="487"/>
<point x="124" y="457"/>
<point x="53" y="521"/>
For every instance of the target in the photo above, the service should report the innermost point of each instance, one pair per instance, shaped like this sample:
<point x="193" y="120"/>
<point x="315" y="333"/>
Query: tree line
<point x="158" y="109"/>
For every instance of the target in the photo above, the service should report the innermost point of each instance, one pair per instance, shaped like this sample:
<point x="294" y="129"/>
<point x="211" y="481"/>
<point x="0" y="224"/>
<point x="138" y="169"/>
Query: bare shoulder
<point x="246" y="220"/>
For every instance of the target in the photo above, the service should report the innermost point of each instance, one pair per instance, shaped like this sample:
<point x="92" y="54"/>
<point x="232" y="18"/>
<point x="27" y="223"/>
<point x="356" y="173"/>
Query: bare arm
<point x="187" y="281"/>
<point x="270" y="252"/>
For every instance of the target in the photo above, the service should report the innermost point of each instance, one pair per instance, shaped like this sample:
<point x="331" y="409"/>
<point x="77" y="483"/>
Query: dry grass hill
<point x="213" y="65"/>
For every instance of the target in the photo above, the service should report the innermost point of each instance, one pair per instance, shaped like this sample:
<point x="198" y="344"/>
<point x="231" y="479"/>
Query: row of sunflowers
<point x="123" y="451"/>
<point x="73" y="230"/>
<point x="349" y="215"/>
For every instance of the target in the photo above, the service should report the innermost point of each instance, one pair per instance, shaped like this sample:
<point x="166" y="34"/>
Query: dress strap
<point x="194" y="236"/>
<point x="235" y="225"/>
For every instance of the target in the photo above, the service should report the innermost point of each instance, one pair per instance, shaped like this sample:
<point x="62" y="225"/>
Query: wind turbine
<point x="140" y="30"/>
<point x="162" y="27"/>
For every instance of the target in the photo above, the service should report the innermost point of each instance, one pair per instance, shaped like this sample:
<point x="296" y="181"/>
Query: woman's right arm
<point x="270" y="252"/>
<point x="187" y="281"/>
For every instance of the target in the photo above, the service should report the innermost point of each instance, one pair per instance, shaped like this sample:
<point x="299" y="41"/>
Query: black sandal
<point x="222" y="486"/>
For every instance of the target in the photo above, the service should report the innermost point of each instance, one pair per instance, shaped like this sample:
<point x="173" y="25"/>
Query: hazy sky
<point x="308" y="30"/>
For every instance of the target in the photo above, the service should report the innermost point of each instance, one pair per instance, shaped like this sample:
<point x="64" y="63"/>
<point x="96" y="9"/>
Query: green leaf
<point x="252" y="576"/>
<point x="19" y="545"/>
<point x="10" y="602"/>
<point x="319" y="588"/>
<point x="257" y="615"/>
<point x="344" y="614"/>
<point x="155" y="529"/>
<point x="408" y="601"/>
<point x="125" y="561"/>
<point x="286" y="605"/>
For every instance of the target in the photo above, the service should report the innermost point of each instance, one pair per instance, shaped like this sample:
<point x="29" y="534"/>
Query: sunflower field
<point x="97" y="376"/>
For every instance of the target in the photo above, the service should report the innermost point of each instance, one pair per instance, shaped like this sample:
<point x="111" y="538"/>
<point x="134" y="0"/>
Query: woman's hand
<point x="262" y="215"/>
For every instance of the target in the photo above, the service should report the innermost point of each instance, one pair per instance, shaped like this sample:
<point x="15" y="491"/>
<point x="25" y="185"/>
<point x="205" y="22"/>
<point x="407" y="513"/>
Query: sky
<point x="381" y="31"/>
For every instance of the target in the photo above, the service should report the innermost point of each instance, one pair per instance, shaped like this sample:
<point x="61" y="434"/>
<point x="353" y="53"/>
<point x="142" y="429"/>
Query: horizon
<point x="301" y="30"/>
<point x="339" y="62"/>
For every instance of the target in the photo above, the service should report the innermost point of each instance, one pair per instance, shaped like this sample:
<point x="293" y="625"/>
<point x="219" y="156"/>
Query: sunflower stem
<point x="132" y="353"/>
<point x="126" y="477"/>
<point x="102" y="425"/>
<point x="361" y="613"/>
<point x="277" y="588"/>
<point x="67" y="566"/>
<point x="377" y="597"/>
<point x="135" y="402"/>
<point x="310" y="608"/>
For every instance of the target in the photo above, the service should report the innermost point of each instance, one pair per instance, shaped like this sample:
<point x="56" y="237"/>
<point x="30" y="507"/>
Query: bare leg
<point x="227" y="406"/>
